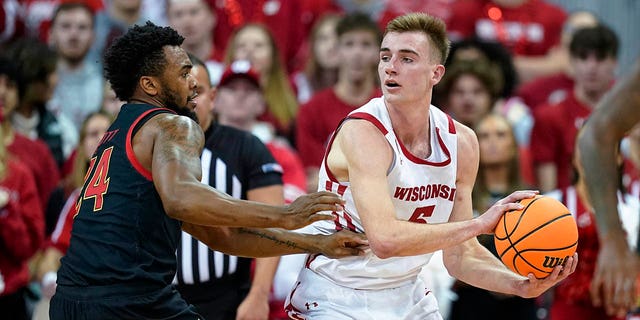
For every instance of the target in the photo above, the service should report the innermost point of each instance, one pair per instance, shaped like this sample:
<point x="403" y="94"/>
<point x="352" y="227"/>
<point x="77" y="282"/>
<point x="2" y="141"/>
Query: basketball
<point x="537" y="238"/>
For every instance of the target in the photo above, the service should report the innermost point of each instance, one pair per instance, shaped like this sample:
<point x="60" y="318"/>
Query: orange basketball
<point x="536" y="238"/>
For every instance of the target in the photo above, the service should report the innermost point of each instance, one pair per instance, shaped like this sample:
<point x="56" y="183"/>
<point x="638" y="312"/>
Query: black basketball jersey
<point x="233" y="161"/>
<point x="121" y="234"/>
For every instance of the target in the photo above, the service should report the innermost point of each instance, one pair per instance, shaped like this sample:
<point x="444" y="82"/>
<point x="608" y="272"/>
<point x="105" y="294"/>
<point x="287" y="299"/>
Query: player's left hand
<point x="343" y="243"/>
<point x="533" y="287"/>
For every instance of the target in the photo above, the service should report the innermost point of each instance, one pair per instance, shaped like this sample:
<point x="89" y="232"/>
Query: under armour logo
<point x="314" y="304"/>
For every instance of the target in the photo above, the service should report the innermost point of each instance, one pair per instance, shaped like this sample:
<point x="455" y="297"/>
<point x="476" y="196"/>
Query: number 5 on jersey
<point x="98" y="181"/>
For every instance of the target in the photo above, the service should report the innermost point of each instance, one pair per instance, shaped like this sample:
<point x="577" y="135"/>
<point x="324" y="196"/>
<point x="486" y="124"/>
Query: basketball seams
<point x="548" y="222"/>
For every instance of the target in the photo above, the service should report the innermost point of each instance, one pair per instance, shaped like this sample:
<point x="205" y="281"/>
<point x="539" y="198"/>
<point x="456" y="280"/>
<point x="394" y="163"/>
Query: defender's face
<point x="177" y="84"/>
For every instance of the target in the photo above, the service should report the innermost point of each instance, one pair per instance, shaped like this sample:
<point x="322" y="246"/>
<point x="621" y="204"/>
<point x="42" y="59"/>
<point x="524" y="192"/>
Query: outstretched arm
<point x="614" y="283"/>
<point x="246" y="242"/>
<point x="175" y="165"/>
<point x="470" y="261"/>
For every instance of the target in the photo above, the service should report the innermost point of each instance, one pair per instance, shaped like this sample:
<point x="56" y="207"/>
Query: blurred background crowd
<point x="524" y="74"/>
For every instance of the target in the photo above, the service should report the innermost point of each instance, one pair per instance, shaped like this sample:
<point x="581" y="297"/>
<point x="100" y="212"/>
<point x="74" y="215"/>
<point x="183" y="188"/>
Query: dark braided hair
<point x="137" y="53"/>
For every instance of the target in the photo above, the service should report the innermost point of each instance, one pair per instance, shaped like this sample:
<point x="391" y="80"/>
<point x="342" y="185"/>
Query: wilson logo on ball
<point x="550" y="262"/>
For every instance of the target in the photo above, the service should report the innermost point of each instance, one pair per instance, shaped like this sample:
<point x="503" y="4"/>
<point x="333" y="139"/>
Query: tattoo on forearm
<point x="274" y="238"/>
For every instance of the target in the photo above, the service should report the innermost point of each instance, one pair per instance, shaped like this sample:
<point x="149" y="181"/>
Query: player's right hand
<point x="490" y="218"/>
<point x="309" y="208"/>
<point x="343" y="243"/>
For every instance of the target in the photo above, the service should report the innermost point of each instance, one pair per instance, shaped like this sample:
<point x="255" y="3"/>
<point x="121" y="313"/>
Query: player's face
<point x="72" y="34"/>
<point x="95" y="128"/>
<point x="192" y="19"/>
<point x="469" y="100"/>
<point x="177" y="84"/>
<point x="358" y="53"/>
<point x="407" y="69"/>
<point x="496" y="142"/>
<point x="204" y="100"/>
<point x="253" y="44"/>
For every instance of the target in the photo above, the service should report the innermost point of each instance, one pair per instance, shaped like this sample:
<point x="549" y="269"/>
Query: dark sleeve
<point x="261" y="168"/>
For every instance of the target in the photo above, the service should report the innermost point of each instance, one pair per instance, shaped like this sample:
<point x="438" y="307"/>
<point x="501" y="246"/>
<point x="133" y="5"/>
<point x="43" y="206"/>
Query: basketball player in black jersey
<point x="614" y="283"/>
<point x="143" y="186"/>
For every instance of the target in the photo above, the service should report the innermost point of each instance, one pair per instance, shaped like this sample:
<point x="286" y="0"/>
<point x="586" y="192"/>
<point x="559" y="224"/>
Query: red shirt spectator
<point x="546" y="90"/>
<point x="35" y="155"/>
<point x="283" y="18"/>
<point x="554" y="134"/>
<point x="21" y="226"/>
<point x="317" y="120"/>
<point x="528" y="29"/>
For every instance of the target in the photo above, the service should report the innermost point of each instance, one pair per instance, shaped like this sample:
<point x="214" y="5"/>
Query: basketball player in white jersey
<point x="614" y="283"/>
<point x="406" y="171"/>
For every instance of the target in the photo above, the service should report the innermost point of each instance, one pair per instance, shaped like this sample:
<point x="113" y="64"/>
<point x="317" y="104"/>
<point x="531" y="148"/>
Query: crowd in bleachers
<point x="524" y="74"/>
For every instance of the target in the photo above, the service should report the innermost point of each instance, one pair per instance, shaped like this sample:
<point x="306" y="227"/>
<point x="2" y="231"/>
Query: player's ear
<point x="438" y="73"/>
<point x="149" y="85"/>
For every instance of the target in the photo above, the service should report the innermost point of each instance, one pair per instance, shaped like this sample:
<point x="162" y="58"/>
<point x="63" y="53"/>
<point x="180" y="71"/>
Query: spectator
<point x="284" y="21"/>
<point x="112" y="22"/>
<point x="321" y="68"/>
<point x="91" y="132"/>
<point x="571" y="297"/>
<point x="358" y="49"/>
<point x="492" y="52"/>
<point x="11" y="20"/>
<point x="220" y="286"/>
<point x="110" y="102"/>
<point x="554" y="88"/>
<point x="80" y="83"/>
<point x="594" y="53"/>
<point x="384" y="11"/>
<point x="255" y="43"/>
<point x="529" y="28"/>
<point x="36" y="65"/>
<point x="195" y="20"/>
<point x="34" y="154"/>
<point x="498" y="176"/>
<point x="470" y="90"/>
<point x="21" y="232"/>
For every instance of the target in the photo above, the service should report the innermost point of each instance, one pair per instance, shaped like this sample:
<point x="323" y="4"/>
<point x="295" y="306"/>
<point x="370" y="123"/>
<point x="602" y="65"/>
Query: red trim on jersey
<point x="370" y="118"/>
<point x="129" y="147"/>
<point x="350" y="224"/>
<point x="341" y="189"/>
<point x="310" y="259"/>
<point x="417" y="160"/>
<point x="452" y="126"/>
<point x="292" y="311"/>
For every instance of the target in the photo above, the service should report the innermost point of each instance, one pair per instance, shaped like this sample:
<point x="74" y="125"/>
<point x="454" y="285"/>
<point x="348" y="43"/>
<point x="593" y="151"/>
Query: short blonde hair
<point x="434" y="28"/>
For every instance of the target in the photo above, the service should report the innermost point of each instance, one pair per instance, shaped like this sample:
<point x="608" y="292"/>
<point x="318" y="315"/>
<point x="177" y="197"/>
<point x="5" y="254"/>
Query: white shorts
<point x="317" y="298"/>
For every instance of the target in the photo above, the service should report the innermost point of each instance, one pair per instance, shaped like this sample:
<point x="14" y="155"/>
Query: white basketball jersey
<point x="422" y="191"/>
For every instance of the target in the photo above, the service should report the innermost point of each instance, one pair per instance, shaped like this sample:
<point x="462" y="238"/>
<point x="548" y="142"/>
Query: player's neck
<point x="411" y="125"/>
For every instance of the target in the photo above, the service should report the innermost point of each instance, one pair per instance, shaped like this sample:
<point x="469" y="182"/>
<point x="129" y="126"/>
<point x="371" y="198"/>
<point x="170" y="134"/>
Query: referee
<point x="239" y="164"/>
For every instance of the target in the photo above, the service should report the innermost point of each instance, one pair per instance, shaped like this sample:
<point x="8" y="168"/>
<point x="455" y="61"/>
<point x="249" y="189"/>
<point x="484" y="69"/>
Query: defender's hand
<point x="307" y="209"/>
<point x="342" y="244"/>
<point x="614" y="283"/>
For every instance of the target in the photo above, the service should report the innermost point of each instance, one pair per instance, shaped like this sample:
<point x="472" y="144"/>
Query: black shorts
<point x="97" y="303"/>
